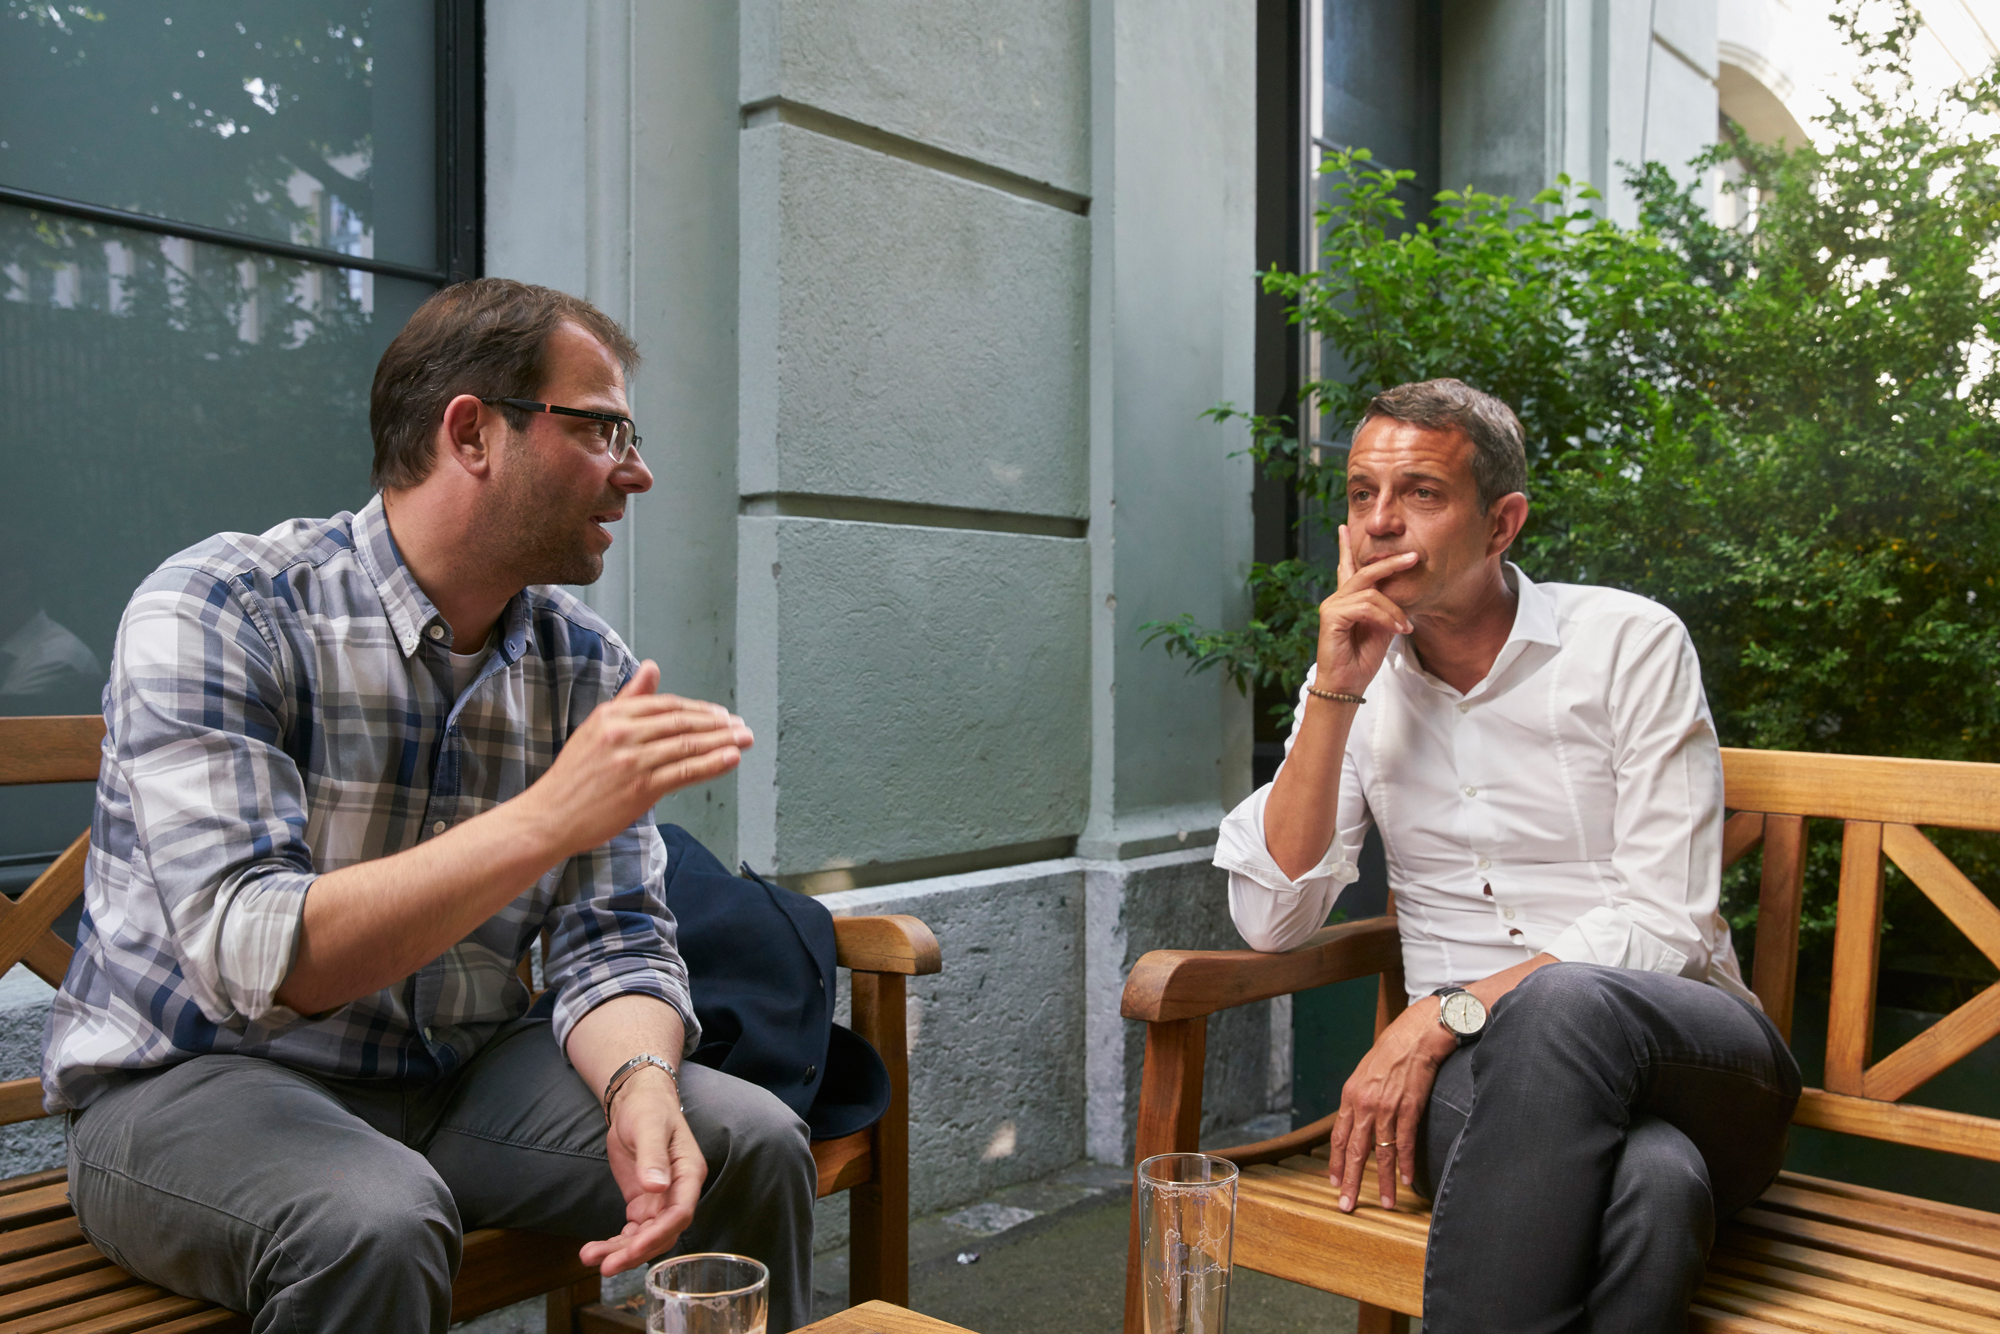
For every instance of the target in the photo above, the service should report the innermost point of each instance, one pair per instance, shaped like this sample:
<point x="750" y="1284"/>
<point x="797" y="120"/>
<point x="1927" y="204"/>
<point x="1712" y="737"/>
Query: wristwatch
<point x="1462" y="1014"/>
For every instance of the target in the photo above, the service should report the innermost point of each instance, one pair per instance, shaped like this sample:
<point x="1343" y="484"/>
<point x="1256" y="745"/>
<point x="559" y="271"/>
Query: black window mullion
<point x="461" y="157"/>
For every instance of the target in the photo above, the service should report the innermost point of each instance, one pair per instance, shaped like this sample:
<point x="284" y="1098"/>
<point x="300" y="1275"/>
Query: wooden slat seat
<point x="53" y="1280"/>
<point x="1807" y="1256"/>
<point x="1811" y="1254"/>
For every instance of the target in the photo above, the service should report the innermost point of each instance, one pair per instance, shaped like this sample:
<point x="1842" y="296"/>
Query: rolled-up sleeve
<point x="1667" y="820"/>
<point x="611" y="934"/>
<point x="218" y="805"/>
<point x="1272" y="911"/>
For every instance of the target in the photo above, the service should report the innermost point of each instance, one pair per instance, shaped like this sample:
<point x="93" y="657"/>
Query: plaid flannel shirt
<point x="279" y="707"/>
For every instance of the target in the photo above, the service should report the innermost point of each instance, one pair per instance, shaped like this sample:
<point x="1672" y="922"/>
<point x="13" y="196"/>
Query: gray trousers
<point x="333" y="1204"/>
<point x="1579" y="1156"/>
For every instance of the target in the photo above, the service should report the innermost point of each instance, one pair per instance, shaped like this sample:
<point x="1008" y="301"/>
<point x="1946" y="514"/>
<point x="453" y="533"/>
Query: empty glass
<point x="1187" y="1224"/>
<point x="707" y="1294"/>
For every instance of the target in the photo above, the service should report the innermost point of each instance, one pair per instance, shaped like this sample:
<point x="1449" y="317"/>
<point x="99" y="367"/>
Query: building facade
<point x="934" y="299"/>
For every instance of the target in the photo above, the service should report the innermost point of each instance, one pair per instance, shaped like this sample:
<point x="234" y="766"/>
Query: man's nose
<point x="1385" y="518"/>
<point x="633" y="476"/>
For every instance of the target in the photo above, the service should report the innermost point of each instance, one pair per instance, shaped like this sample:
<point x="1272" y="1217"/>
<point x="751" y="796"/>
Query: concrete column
<point x="1535" y="88"/>
<point x="611" y="173"/>
<point x="934" y="295"/>
<point x="913" y="577"/>
<point x="1172" y="306"/>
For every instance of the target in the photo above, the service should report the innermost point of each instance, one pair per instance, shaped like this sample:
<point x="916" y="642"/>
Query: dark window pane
<point x="154" y="391"/>
<point x="308" y="121"/>
<point x="1381" y="64"/>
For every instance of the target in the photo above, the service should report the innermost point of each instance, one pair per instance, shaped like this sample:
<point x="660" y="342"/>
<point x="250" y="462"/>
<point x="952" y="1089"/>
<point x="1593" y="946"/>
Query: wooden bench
<point x="1811" y="1254"/>
<point x="51" y="1279"/>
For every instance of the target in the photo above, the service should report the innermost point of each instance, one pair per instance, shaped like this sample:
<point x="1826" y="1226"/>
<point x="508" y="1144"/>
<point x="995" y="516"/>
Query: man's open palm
<point x="659" y="1170"/>
<point x="634" y="749"/>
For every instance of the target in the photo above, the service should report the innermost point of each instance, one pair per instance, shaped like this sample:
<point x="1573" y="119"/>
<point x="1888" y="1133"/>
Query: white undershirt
<point x="465" y="666"/>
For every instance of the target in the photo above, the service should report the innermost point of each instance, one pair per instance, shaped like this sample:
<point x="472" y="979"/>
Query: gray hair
<point x="1499" y="451"/>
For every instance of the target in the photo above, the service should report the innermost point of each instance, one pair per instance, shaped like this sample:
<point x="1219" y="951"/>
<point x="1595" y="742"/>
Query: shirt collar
<point x="1534" y="623"/>
<point x="1534" y="610"/>
<point x="410" y="612"/>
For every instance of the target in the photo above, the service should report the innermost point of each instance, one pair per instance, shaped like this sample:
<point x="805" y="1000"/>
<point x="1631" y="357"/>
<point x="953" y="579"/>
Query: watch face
<point x="1462" y="1013"/>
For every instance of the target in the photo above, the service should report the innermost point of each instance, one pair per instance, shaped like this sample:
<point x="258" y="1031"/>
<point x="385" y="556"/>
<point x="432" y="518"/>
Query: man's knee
<point x="770" y="1135"/>
<point x="386" y="1220"/>
<point x="396" y="1204"/>
<point x="360" y="1213"/>
<point x="1663" y="1183"/>
<point x="1558" y="1002"/>
<point x="745" y="1129"/>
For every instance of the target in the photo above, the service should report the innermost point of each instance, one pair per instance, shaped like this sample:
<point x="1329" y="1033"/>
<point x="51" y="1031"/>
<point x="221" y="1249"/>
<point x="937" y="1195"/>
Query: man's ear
<point x="462" y="435"/>
<point x="1507" y="517"/>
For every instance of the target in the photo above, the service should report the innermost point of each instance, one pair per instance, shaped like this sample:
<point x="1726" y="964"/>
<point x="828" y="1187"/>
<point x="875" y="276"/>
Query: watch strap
<point x="632" y="1067"/>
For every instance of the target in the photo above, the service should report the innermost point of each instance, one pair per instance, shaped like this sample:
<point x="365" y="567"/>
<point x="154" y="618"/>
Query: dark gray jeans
<point x="330" y="1204"/>
<point x="1581" y="1153"/>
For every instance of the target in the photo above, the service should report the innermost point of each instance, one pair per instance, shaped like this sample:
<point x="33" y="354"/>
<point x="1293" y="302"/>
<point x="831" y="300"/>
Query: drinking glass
<point x="707" y="1294"/>
<point x="1187" y="1224"/>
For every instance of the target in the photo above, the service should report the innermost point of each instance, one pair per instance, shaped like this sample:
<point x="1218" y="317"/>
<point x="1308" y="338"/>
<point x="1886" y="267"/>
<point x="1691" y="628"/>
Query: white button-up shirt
<point x="1569" y="804"/>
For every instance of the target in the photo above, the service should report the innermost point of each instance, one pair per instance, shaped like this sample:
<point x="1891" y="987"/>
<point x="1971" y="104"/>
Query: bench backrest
<point x="1882" y="803"/>
<point x="61" y="749"/>
<point x="46" y="750"/>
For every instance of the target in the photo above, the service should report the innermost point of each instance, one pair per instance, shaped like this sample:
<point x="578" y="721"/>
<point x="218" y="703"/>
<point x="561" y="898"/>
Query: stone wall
<point x="30" y="1146"/>
<point x="1019" y="1062"/>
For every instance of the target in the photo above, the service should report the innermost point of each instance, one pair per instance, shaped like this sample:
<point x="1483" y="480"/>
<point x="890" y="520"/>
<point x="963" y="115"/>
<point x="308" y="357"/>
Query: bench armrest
<point x="1185" y="984"/>
<point x="894" y="944"/>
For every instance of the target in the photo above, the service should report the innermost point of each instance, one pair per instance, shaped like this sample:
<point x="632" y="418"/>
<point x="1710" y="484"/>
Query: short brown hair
<point x="484" y="337"/>
<point x="1499" y="451"/>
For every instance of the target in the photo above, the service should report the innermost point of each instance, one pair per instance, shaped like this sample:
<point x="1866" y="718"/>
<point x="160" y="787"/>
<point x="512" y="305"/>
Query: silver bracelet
<point x="632" y="1067"/>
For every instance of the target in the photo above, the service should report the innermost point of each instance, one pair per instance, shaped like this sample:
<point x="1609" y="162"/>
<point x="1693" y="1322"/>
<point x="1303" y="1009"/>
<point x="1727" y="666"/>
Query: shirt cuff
<point x="258" y="935"/>
<point x="1240" y="848"/>
<point x="638" y="978"/>
<point x="1607" y="936"/>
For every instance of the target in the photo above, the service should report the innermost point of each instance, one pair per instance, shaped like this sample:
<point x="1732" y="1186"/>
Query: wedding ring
<point x="1383" y="1143"/>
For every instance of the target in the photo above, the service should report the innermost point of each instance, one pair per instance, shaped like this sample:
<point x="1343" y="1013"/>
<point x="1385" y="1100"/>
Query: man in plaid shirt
<point x="354" y="768"/>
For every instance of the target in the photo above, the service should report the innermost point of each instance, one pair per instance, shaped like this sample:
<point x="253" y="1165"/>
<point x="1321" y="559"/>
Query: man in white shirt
<point x="1542" y="767"/>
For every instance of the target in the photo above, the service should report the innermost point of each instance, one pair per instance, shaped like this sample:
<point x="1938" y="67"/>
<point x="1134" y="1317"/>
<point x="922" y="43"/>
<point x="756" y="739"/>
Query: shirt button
<point x="1469" y="790"/>
<point x="1484" y="863"/>
<point x="1507" y="913"/>
<point x="438" y="828"/>
<point x="437" y="632"/>
<point x="1464" y="707"/>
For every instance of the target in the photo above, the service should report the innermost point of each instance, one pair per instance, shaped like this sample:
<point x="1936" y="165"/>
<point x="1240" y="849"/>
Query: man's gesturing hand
<point x="1358" y="621"/>
<point x="1384" y="1100"/>
<point x="658" y="1167"/>
<point x="631" y="751"/>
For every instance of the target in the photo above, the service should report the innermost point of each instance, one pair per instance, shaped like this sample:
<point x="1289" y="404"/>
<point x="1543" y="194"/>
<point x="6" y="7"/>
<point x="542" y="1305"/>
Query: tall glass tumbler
<point x="1187" y="1226"/>
<point x="709" y="1293"/>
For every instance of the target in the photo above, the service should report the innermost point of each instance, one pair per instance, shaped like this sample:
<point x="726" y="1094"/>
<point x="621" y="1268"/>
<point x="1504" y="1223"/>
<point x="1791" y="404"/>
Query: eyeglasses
<point x="617" y="436"/>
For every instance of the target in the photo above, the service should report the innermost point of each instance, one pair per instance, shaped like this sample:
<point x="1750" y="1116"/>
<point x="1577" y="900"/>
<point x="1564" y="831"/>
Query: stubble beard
<point x="543" y="546"/>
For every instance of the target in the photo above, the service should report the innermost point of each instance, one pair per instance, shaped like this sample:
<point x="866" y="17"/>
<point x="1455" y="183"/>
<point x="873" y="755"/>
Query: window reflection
<point x="307" y="122"/>
<point x="153" y="391"/>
